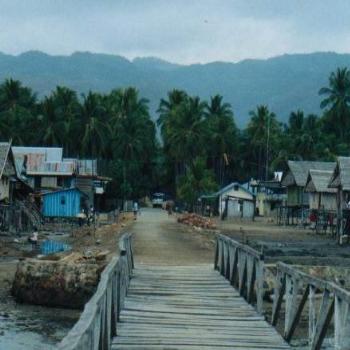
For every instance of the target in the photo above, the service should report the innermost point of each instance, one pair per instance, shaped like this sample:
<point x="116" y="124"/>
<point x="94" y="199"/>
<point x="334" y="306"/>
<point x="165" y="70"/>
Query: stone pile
<point x="197" y="221"/>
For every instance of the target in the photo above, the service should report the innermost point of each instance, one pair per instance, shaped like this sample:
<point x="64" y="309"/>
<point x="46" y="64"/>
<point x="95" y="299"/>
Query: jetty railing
<point x="98" y="322"/>
<point x="298" y="287"/>
<point x="243" y="266"/>
<point x="328" y="303"/>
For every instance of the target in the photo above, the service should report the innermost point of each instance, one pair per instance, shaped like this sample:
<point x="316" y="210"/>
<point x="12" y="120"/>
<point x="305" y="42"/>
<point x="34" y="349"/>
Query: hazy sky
<point x="184" y="31"/>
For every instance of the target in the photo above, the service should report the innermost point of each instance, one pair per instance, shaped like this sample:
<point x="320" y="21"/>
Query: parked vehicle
<point x="158" y="199"/>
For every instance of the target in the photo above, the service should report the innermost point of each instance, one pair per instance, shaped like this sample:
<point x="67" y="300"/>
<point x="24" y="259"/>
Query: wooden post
<point x="324" y="319"/>
<point x="259" y="270"/>
<point x="280" y="288"/>
<point x="341" y="324"/>
<point x="312" y="313"/>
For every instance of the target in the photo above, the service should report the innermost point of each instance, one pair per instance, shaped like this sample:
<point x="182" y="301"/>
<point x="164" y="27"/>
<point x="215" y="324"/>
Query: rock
<point x="98" y="241"/>
<point x="55" y="283"/>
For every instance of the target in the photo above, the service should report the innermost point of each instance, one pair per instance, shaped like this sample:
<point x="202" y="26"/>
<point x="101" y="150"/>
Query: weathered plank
<point x="191" y="307"/>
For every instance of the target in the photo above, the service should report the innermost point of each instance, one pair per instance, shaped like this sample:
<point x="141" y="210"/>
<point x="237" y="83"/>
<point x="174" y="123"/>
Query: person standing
<point x="136" y="209"/>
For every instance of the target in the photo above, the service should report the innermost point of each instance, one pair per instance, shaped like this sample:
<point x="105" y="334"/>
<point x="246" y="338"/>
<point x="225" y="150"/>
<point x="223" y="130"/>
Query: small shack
<point x="7" y="172"/>
<point x="321" y="197"/>
<point x="294" y="179"/>
<point x="233" y="201"/>
<point x="64" y="203"/>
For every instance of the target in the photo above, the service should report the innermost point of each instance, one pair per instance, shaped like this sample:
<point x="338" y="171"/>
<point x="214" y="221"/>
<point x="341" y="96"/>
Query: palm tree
<point x="223" y="134"/>
<point x="186" y="132"/>
<point x="132" y="138"/>
<point x="262" y="130"/>
<point x="13" y="94"/>
<point x="67" y="108"/>
<point x="198" y="181"/>
<point x="337" y="100"/>
<point x="93" y="130"/>
<point x="167" y="109"/>
<point x="16" y="106"/>
<point x="51" y="123"/>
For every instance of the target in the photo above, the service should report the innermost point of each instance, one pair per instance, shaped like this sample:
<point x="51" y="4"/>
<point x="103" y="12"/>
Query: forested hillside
<point x="284" y="83"/>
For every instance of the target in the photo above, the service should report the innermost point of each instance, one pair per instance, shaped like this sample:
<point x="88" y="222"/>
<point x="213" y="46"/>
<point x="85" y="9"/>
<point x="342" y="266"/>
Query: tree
<point x="133" y="145"/>
<point x="17" y="104"/>
<point x="264" y="134"/>
<point x="198" y="181"/>
<point x="222" y="141"/>
<point x="50" y="123"/>
<point x="93" y="134"/>
<point x="66" y="106"/>
<point x="186" y="133"/>
<point x="337" y="102"/>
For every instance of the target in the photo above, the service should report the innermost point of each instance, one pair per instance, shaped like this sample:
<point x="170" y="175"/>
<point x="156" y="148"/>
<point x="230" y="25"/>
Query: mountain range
<point x="284" y="83"/>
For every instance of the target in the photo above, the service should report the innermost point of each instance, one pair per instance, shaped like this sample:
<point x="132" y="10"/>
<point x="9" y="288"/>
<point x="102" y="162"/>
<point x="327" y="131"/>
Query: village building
<point x="232" y="201"/>
<point x="7" y="173"/>
<point x="321" y="197"/>
<point x="45" y="170"/>
<point x="66" y="203"/>
<point x="295" y="210"/>
<point x="295" y="180"/>
<point x="270" y="195"/>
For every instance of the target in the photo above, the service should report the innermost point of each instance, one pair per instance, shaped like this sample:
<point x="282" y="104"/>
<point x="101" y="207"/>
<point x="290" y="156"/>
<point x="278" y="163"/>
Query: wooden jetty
<point x="190" y="307"/>
<point x="201" y="307"/>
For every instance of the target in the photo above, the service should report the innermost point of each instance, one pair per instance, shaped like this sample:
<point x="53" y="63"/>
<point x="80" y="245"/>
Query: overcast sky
<point x="184" y="31"/>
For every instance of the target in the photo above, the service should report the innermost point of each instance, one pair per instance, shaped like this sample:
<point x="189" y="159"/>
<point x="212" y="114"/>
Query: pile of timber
<point x="68" y="282"/>
<point x="196" y="221"/>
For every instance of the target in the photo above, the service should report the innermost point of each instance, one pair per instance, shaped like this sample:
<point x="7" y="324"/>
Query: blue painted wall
<point x="62" y="203"/>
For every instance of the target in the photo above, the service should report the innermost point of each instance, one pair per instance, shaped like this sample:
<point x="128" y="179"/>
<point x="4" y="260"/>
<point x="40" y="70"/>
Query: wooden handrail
<point x="298" y="287"/>
<point x="98" y="322"/>
<point x="243" y="266"/>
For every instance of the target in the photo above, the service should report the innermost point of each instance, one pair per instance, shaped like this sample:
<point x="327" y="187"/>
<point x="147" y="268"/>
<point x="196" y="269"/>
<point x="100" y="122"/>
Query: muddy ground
<point x="289" y="244"/>
<point x="34" y="327"/>
<point x="159" y="239"/>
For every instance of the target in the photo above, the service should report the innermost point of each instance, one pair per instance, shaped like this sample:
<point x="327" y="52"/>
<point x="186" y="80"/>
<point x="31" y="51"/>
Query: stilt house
<point x="321" y="197"/>
<point x="296" y="177"/>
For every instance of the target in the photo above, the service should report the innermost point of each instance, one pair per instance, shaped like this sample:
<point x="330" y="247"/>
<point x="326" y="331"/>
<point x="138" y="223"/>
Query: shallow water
<point x="29" y="327"/>
<point x="33" y="327"/>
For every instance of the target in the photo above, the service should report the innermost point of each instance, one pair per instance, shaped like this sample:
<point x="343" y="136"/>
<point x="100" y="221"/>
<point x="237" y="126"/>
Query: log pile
<point x="195" y="220"/>
<point x="67" y="282"/>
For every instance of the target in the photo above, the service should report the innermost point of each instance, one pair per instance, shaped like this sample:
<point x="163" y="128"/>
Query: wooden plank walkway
<point x="193" y="307"/>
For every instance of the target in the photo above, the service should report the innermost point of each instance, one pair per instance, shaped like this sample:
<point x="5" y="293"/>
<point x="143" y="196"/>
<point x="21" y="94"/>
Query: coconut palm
<point x="93" y="131"/>
<point x="51" y="123"/>
<point x="222" y="135"/>
<point x="337" y="101"/>
<point x="263" y="129"/>
<point x="67" y="108"/>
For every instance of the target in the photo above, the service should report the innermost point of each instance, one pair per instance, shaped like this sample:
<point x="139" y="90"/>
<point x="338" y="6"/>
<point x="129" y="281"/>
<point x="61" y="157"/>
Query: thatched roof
<point x="299" y="170"/>
<point x="318" y="181"/>
<point x="341" y="174"/>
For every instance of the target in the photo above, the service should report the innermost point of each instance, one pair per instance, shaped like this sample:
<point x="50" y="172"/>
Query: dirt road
<point x="159" y="239"/>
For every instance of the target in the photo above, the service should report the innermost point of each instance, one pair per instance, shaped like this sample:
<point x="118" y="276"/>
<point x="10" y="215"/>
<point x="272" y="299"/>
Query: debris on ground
<point x="196" y="221"/>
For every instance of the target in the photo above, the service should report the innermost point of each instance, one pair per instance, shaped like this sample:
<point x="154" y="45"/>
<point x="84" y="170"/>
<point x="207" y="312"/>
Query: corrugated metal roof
<point x="41" y="161"/>
<point x="52" y="154"/>
<point x="226" y="189"/>
<point x="318" y="181"/>
<point x="299" y="170"/>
